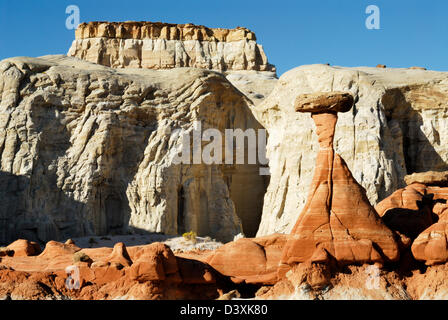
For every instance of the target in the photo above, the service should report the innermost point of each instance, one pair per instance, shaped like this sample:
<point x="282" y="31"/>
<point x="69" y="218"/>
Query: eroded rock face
<point x="162" y="46"/>
<point x="419" y="212"/>
<point x="397" y="126"/>
<point x="86" y="149"/>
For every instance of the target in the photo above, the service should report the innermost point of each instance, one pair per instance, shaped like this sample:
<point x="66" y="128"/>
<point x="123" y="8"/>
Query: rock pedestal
<point x="338" y="220"/>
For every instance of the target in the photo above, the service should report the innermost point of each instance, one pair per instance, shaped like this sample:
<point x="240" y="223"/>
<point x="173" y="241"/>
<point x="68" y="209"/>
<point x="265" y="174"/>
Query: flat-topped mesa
<point x="159" y="30"/>
<point x="156" y="45"/>
<point x="337" y="221"/>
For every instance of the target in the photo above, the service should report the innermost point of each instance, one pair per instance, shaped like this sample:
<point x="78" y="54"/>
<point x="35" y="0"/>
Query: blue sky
<point x="293" y="33"/>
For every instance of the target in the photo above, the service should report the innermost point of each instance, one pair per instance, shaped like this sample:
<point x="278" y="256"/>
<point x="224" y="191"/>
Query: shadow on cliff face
<point x="42" y="206"/>
<point x="18" y="220"/>
<point x="418" y="151"/>
<point x="33" y="207"/>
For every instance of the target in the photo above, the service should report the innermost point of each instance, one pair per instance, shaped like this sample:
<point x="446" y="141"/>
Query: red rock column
<point x="337" y="220"/>
<point x="325" y="127"/>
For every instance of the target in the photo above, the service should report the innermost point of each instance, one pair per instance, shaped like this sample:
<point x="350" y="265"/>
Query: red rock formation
<point x="247" y="260"/>
<point x="431" y="245"/>
<point x="429" y="185"/>
<point x="141" y="272"/>
<point x="120" y="255"/>
<point x="54" y="249"/>
<point x="411" y="210"/>
<point x="153" y="262"/>
<point x="25" y="248"/>
<point x="338" y="220"/>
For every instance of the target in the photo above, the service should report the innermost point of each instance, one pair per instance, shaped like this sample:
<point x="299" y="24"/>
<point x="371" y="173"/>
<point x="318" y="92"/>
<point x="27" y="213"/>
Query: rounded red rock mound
<point x="153" y="262"/>
<point x="24" y="248"/>
<point x="250" y="260"/>
<point x="56" y="249"/>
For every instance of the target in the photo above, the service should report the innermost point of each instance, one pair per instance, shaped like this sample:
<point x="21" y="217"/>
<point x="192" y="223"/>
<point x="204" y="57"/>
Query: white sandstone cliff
<point x="162" y="46"/>
<point x="86" y="149"/>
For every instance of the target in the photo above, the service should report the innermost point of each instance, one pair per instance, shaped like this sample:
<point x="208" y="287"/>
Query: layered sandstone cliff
<point x="87" y="149"/>
<point x="162" y="46"/>
<point x="398" y="126"/>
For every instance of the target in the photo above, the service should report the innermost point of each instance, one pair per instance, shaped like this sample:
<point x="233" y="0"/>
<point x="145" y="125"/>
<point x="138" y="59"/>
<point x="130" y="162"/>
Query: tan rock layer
<point x="159" y="30"/>
<point x="435" y="178"/>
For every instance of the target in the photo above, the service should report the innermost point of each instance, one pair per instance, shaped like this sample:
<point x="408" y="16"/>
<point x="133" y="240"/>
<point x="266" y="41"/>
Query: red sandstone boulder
<point x="250" y="260"/>
<point x="414" y="208"/>
<point x="153" y="262"/>
<point x="120" y="255"/>
<point x="55" y="249"/>
<point x="24" y="248"/>
<point x="431" y="245"/>
<point x="406" y="198"/>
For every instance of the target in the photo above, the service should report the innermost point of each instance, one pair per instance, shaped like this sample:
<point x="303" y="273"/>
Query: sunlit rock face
<point x="152" y="45"/>
<point x="87" y="149"/>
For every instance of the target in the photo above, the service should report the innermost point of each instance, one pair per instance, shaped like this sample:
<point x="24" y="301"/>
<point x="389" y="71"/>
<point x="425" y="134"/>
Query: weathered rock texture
<point x="431" y="245"/>
<point x="398" y="126"/>
<point x="428" y="178"/>
<point x="252" y="261"/>
<point x="419" y="212"/>
<point x="24" y="248"/>
<point x="337" y="221"/>
<point x="140" y="272"/>
<point x="161" y="46"/>
<point x="413" y="209"/>
<point x="86" y="149"/>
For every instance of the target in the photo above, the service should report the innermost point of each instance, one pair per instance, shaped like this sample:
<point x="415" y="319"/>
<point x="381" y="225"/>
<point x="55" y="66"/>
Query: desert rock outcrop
<point x="397" y="126"/>
<point x="430" y="178"/>
<point x="413" y="209"/>
<point x="337" y="221"/>
<point x="253" y="261"/>
<point x="431" y="245"/>
<point x="24" y="248"/>
<point x="161" y="46"/>
<point x="156" y="273"/>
